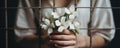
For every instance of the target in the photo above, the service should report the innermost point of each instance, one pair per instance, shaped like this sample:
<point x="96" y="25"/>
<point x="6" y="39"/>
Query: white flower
<point x="55" y="15"/>
<point x="50" y="30"/>
<point x="70" y="10"/>
<point x="44" y="26"/>
<point x="47" y="25"/>
<point x="58" y="23"/>
<point x="67" y="11"/>
<point x="72" y="26"/>
<point x="61" y="28"/>
<point x="61" y="24"/>
<point x="76" y="24"/>
<point x="47" y="21"/>
<point x="53" y="25"/>
<point x="73" y="15"/>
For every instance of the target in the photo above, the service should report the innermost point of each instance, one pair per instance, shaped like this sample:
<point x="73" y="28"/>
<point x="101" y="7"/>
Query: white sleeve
<point x="102" y="20"/>
<point x="24" y="19"/>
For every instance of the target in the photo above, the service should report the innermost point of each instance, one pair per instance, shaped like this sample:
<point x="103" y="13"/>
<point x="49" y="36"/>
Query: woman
<point x="99" y="19"/>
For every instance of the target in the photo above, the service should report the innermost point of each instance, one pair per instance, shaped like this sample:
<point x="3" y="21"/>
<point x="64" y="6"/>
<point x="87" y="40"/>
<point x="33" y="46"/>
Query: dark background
<point x="11" y="18"/>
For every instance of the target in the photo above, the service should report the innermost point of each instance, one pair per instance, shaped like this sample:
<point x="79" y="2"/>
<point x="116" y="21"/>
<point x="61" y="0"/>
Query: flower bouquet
<point x="60" y="22"/>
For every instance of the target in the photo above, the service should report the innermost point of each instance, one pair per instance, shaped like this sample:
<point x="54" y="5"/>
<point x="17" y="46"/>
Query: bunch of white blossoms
<point x="61" y="22"/>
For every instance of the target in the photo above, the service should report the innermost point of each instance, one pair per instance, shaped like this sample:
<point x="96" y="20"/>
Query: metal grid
<point x="6" y="18"/>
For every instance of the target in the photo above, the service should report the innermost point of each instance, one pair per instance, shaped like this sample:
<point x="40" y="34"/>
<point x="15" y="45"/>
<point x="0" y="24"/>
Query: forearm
<point x="84" y="41"/>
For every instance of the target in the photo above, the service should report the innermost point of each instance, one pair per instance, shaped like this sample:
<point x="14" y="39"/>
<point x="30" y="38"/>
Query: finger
<point x="65" y="32"/>
<point x="58" y="46"/>
<point x="62" y="37"/>
<point x="63" y="43"/>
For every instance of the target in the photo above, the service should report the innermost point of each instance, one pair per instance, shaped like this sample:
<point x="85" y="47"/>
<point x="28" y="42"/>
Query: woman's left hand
<point x="65" y="39"/>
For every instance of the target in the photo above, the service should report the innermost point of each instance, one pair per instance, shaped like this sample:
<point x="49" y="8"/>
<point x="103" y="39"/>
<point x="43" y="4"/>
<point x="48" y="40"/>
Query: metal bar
<point x="54" y="6"/>
<point x="90" y="25"/>
<point x="76" y="5"/>
<point x="6" y="23"/>
<point x="40" y="42"/>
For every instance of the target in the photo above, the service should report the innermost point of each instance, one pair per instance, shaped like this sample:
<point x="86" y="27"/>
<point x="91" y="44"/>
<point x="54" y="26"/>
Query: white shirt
<point x="102" y="19"/>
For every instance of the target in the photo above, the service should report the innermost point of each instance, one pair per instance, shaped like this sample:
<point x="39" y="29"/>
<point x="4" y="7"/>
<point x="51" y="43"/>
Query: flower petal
<point x="43" y="19"/>
<point x="76" y="24"/>
<point x="72" y="8"/>
<point x="55" y="15"/>
<point x="71" y="17"/>
<point x="63" y="19"/>
<point x="66" y="25"/>
<point x="47" y="21"/>
<point x="72" y="26"/>
<point x="67" y="11"/>
<point x="44" y="26"/>
<point x="50" y="30"/>
<point x="61" y="28"/>
<point x="53" y="25"/>
<point x="75" y="13"/>
<point x="58" y="23"/>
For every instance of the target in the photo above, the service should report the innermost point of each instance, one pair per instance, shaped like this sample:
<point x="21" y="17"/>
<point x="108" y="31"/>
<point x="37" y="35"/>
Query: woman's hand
<point x="65" y="39"/>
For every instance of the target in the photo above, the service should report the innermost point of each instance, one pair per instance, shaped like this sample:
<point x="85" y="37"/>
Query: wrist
<point x="82" y="41"/>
